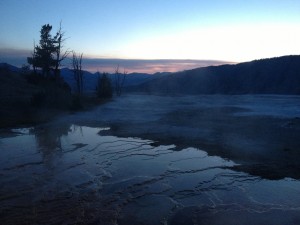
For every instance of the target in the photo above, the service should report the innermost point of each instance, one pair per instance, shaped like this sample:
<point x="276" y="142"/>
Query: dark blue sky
<point x="229" y="30"/>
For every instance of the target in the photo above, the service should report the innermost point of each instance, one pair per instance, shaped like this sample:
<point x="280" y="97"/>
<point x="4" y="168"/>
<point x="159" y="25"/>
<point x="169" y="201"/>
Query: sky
<point x="152" y="35"/>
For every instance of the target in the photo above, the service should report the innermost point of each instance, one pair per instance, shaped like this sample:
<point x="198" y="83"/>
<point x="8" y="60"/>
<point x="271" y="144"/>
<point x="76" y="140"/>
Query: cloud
<point x="146" y="66"/>
<point x="18" y="57"/>
<point x="15" y="57"/>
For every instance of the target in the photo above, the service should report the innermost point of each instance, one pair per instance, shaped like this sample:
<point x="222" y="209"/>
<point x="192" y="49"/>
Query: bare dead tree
<point x="60" y="55"/>
<point x="32" y="60"/>
<point x="77" y="70"/>
<point x="119" y="80"/>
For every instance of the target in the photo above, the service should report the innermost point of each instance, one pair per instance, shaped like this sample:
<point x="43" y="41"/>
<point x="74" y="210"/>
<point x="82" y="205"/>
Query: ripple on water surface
<point x="73" y="174"/>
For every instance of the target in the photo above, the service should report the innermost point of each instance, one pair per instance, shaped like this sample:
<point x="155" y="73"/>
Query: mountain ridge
<point x="278" y="75"/>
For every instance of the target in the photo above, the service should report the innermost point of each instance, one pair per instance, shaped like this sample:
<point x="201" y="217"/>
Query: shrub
<point x="104" y="87"/>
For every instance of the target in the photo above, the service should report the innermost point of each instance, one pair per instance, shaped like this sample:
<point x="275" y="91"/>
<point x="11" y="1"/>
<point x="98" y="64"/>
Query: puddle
<point x="75" y="175"/>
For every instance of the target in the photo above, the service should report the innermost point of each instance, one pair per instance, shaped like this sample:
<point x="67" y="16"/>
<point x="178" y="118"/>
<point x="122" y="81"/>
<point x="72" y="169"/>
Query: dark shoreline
<point x="31" y="116"/>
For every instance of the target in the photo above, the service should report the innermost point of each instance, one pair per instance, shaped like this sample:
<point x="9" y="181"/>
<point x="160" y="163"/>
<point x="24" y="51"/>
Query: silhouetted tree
<point x="77" y="70"/>
<point x="32" y="60"/>
<point x="43" y="53"/>
<point x="60" y="55"/>
<point x="48" y="55"/>
<point x="119" y="80"/>
<point x="104" y="87"/>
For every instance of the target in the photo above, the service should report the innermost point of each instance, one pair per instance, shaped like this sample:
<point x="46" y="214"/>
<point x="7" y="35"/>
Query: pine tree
<point x="43" y="53"/>
<point x="48" y="55"/>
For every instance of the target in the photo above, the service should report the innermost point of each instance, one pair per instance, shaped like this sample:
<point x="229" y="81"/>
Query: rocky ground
<point x="260" y="132"/>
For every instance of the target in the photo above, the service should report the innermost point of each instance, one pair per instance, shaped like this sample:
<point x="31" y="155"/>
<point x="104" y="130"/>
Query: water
<point x="72" y="174"/>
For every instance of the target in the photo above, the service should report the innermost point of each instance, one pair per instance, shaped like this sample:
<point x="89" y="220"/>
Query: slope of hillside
<point x="279" y="75"/>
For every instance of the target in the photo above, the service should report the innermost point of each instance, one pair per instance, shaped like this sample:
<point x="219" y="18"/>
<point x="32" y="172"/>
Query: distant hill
<point x="90" y="79"/>
<point x="9" y="67"/>
<point x="280" y="75"/>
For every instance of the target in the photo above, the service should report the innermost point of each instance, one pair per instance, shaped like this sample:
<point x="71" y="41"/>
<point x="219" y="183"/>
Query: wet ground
<point x="157" y="160"/>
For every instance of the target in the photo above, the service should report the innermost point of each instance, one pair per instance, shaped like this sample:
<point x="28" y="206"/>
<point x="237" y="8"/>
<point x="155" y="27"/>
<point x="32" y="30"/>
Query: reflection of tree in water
<point x="48" y="139"/>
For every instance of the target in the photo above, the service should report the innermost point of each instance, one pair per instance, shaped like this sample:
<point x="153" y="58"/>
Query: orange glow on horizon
<point x="147" y="66"/>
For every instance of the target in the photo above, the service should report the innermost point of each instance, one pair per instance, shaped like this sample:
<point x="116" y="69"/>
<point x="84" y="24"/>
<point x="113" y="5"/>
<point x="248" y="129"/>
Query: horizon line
<point x="94" y="64"/>
<point x="131" y="65"/>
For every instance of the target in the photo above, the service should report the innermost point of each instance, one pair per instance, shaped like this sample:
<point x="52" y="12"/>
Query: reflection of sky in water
<point x="128" y="175"/>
